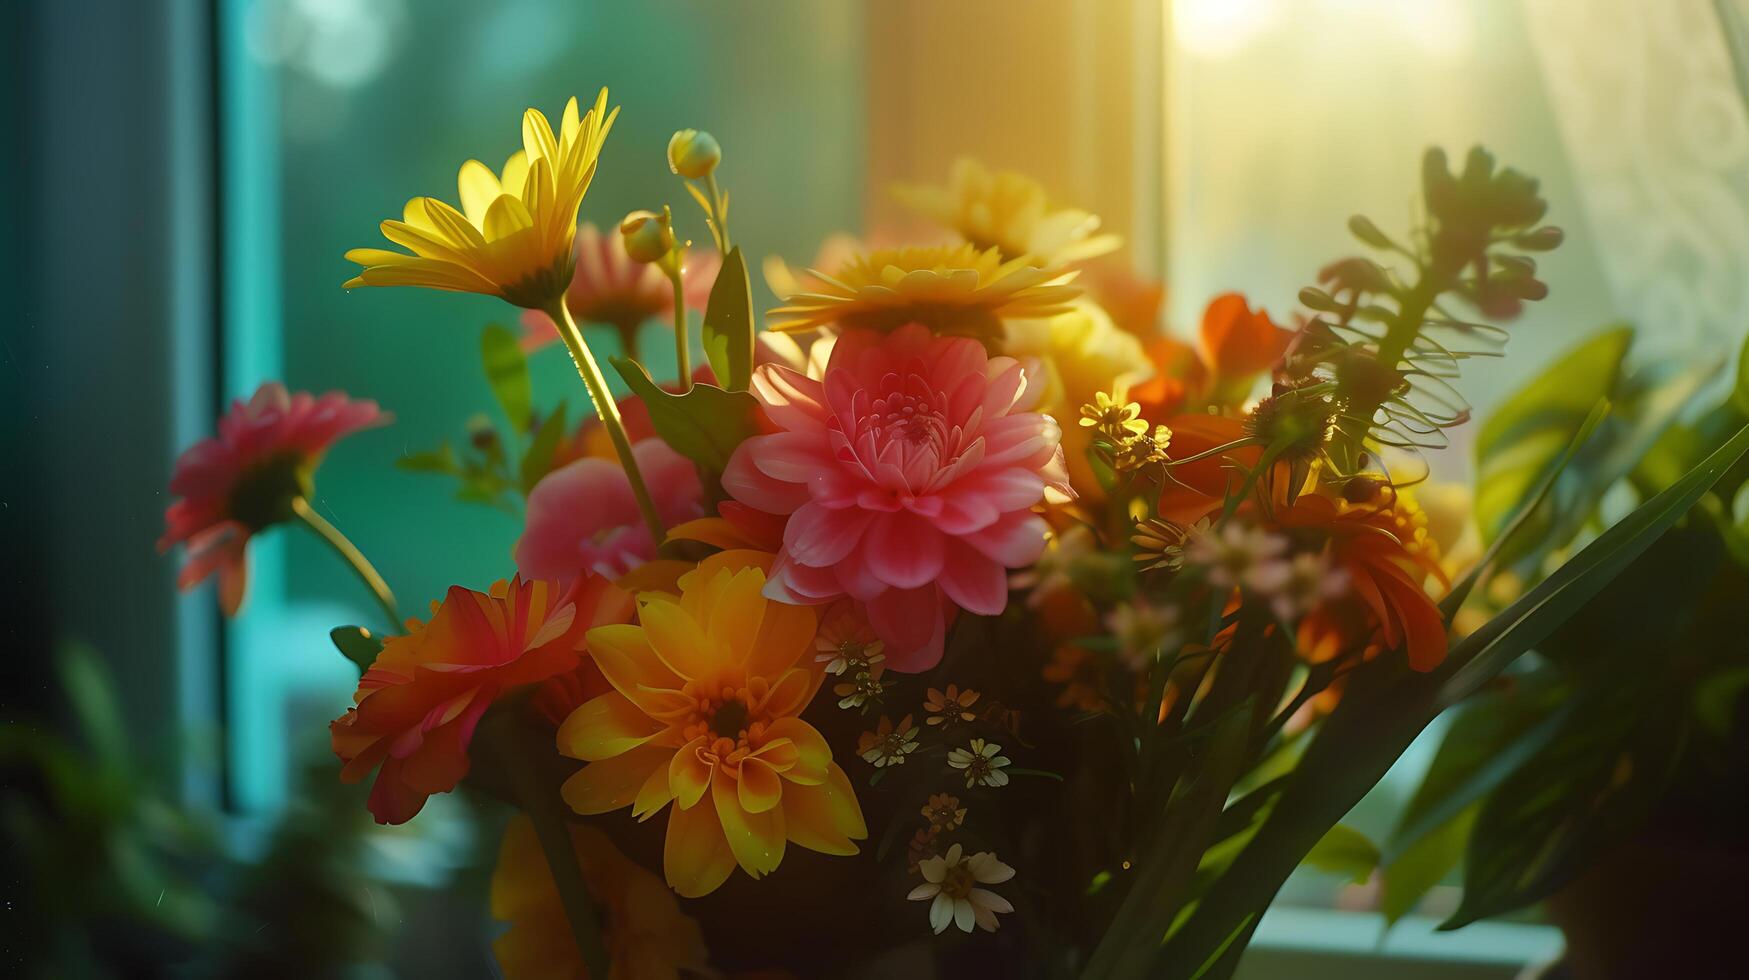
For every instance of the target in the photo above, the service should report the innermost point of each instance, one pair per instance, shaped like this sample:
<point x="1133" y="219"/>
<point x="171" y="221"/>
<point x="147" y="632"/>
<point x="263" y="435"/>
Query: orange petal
<point x="738" y="612"/>
<point x="791" y="693"/>
<point x="824" y="818"/>
<point x="605" y="727"/>
<point x="756" y="839"/>
<point x="695" y="857"/>
<point x="813" y="755"/>
<point x="653" y="795"/>
<point x="689" y="775"/>
<point x="607" y="785"/>
<point x="759" y="788"/>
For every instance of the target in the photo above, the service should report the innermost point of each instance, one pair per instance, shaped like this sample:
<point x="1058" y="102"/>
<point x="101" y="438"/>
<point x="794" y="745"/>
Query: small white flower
<point x="1305" y="584"/>
<point x="1235" y="554"/>
<point x="951" y="881"/>
<point x="1142" y="630"/>
<point x="982" y="763"/>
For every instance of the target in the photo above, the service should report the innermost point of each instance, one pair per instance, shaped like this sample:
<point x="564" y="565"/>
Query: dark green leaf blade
<point x="358" y="644"/>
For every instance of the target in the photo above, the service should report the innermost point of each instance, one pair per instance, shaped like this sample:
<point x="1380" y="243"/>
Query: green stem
<point x="348" y="551"/>
<point x="608" y="411"/>
<point x="1357" y="419"/>
<point x="682" y="342"/>
<point x="717" y="216"/>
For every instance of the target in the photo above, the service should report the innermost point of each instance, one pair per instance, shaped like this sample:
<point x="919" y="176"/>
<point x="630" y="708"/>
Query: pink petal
<point x="904" y="550"/>
<point x="819" y="536"/>
<point x="974" y="581"/>
<point x="1015" y="540"/>
<point x="912" y="624"/>
<point x="743" y="481"/>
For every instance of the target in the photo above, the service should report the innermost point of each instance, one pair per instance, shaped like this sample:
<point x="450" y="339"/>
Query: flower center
<point x="730" y="719"/>
<point x="959" y="881"/>
<point x="913" y="415"/>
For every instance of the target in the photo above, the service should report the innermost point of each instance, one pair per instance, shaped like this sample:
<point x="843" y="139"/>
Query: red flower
<point x="418" y="704"/>
<point x="244" y="479"/>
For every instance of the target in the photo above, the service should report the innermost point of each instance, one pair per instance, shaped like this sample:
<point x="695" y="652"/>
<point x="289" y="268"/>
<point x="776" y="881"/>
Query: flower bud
<point x="648" y="236"/>
<point x="693" y="154"/>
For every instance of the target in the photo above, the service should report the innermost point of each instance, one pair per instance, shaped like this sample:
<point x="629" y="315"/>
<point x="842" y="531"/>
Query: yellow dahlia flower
<point x="953" y="289"/>
<point x="1008" y="211"/>
<point x="708" y="687"/>
<point x="512" y="237"/>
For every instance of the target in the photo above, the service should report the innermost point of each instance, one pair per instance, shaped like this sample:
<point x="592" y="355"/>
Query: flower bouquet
<point x="948" y="614"/>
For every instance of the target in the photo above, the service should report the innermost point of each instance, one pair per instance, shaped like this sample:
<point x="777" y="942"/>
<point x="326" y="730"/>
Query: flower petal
<point x="824" y="818"/>
<point x="601" y="787"/>
<point x="605" y="727"/>
<point x="696" y="858"/>
<point x="756" y="839"/>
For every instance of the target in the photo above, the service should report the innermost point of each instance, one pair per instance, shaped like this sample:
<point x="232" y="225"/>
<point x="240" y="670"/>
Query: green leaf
<point x="439" y="460"/>
<point x="506" y="370"/>
<point x="1385" y="709"/>
<point x="1716" y="698"/>
<point x="1344" y="851"/>
<point x="1424" y="864"/>
<point x="91" y="694"/>
<point x="704" y="424"/>
<point x="728" y="325"/>
<point x="358" y="644"/>
<point x="1492" y="735"/>
<point x="1528" y="431"/>
<point x="1160" y="888"/>
<point x="1587" y="791"/>
<point x="1740" y="391"/>
<point x="539" y="457"/>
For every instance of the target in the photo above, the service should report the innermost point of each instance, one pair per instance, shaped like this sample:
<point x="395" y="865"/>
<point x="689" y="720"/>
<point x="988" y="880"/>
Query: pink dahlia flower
<point x="582" y="517"/>
<point x="245" y="478"/>
<point x="609" y="287"/>
<point x="907" y="473"/>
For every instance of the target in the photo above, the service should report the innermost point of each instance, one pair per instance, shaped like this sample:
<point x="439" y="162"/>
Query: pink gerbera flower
<point x="908" y="473"/>
<point x="264" y="456"/>
<point x="611" y="288"/>
<point x="582" y="517"/>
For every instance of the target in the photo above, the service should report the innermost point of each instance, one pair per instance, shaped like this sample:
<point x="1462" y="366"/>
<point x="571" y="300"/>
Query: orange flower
<point x="1386" y="551"/>
<point x="708" y="689"/>
<point x="418" y="704"/>
<point x="1197" y="489"/>
<point x="648" y="938"/>
<point x="1237" y="343"/>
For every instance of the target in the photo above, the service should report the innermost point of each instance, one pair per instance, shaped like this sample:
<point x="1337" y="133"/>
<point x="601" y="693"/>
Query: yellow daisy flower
<point x="705" y="713"/>
<point x="1008" y="211"/>
<point x="512" y="237"/>
<point x="953" y="289"/>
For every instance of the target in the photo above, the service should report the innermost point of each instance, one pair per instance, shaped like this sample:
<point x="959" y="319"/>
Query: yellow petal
<point x="623" y="653"/>
<point x="756" y="839"/>
<point x="739" y="611"/>
<point x="813" y="755"/>
<point x="537" y="137"/>
<point x="569" y="125"/>
<point x="791" y="693"/>
<point x="479" y="187"/>
<point x="605" y="727"/>
<point x="824" y="818"/>
<point x="676" y="638"/>
<point x="695" y="857"/>
<point x="506" y="217"/>
<point x="653" y="795"/>
<point x="689" y="775"/>
<point x="601" y="787"/>
<point x="759" y="788"/>
<point x="515" y="170"/>
<point x="785" y="636"/>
